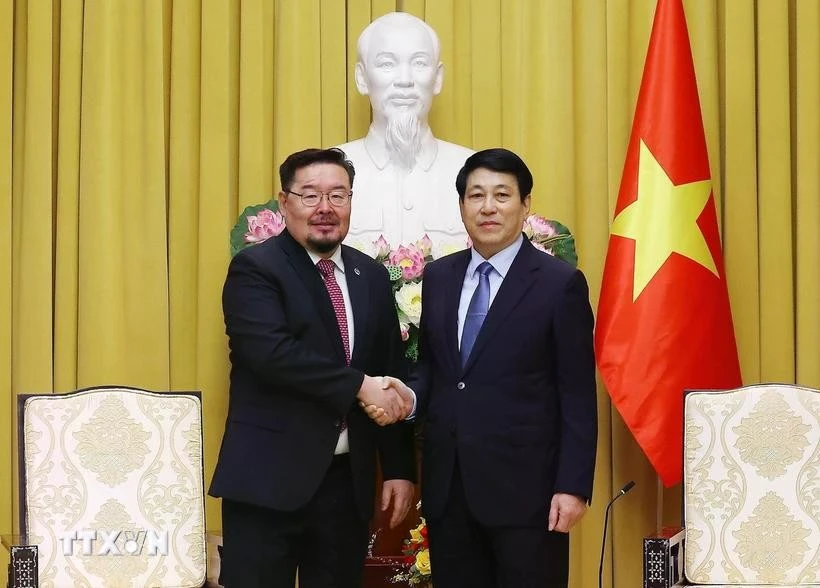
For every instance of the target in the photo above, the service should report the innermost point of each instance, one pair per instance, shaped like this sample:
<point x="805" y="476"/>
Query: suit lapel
<point x="452" y="297"/>
<point x="359" y="291"/>
<point x="517" y="282"/>
<point x="312" y="280"/>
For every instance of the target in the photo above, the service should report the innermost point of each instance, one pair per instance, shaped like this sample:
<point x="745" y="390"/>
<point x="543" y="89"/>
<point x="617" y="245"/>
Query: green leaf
<point x="564" y="249"/>
<point x="411" y="349"/>
<point x="562" y="245"/>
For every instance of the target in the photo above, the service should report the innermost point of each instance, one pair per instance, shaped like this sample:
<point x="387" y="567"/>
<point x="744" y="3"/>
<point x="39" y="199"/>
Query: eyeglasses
<point x="337" y="198"/>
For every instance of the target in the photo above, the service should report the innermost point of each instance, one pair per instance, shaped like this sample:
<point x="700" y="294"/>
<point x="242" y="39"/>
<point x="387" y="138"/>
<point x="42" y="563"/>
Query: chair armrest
<point x="663" y="558"/>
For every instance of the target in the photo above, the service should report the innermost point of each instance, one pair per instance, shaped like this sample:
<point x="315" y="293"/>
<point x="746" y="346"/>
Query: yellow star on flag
<point x="663" y="220"/>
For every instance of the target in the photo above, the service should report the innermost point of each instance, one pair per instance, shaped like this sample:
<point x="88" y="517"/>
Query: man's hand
<point x="407" y="396"/>
<point x="565" y="511"/>
<point x="407" y="399"/>
<point x="400" y="492"/>
<point x="388" y="406"/>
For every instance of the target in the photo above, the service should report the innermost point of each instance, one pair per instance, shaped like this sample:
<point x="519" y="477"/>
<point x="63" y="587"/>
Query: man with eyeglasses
<point x="308" y="320"/>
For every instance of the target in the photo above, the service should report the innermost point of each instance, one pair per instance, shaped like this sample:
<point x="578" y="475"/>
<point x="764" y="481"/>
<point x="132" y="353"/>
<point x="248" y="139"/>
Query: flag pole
<point x="659" y="509"/>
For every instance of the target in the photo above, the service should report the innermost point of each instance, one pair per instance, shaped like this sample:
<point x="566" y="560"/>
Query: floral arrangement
<point x="551" y="237"/>
<point x="256" y="224"/>
<point x="416" y="558"/>
<point x="405" y="264"/>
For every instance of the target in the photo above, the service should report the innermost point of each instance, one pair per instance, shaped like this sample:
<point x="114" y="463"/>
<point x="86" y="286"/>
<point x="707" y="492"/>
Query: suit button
<point x="461" y="385"/>
<point x="337" y="423"/>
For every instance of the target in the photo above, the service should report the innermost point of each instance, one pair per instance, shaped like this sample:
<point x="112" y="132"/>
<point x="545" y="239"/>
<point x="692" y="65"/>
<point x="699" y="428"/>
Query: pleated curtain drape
<point x="133" y="132"/>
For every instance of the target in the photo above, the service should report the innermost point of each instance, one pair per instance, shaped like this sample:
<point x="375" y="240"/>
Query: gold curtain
<point x="132" y="133"/>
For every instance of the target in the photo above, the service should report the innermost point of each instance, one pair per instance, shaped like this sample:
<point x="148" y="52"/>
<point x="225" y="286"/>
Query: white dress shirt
<point x="342" y="446"/>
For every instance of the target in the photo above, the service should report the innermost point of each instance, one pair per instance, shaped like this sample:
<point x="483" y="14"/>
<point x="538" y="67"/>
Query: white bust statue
<point x="405" y="177"/>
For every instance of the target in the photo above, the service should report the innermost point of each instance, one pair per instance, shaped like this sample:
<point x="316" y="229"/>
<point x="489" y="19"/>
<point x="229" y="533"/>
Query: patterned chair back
<point x="752" y="486"/>
<point x="112" y="487"/>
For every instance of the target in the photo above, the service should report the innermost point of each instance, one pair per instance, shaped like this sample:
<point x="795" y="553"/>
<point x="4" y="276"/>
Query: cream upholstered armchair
<point x="752" y="486"/>
<point x="112" y="488"/>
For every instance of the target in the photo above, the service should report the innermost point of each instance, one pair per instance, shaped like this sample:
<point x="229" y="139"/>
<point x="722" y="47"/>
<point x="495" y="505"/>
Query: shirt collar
<point x="377" y="151"/>
<point x="335" y="258"/>
<point x="501" y="261"/>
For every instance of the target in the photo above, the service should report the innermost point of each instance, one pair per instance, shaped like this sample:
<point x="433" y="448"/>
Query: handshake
<point x="386" y="400"/>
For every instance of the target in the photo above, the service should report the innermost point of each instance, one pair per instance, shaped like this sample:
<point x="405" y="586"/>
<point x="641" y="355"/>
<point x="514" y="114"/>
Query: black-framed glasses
<point x="337" y="198"/>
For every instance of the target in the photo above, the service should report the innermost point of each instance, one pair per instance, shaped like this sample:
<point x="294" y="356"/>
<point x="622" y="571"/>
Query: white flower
<point x="408" y="299"/>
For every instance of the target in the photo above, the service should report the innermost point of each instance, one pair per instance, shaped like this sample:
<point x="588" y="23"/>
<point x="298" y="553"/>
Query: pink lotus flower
<point x="425" y="245"/>
<point x="409" y="259"/>
<point x="264" y="225"/>
<point x="381" y="247"/>
<point x="540" y="226"/>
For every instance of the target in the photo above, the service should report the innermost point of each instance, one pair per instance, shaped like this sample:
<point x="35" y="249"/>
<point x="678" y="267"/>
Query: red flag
<point x="664" y="322"/>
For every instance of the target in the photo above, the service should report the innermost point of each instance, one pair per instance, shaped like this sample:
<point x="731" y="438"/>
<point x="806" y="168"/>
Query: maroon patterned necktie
<point x="326" y="268"/>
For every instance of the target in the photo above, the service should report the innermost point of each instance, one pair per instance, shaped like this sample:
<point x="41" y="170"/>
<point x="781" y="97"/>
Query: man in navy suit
<point x="307" y="320"/>
<point x="506" y="388"/>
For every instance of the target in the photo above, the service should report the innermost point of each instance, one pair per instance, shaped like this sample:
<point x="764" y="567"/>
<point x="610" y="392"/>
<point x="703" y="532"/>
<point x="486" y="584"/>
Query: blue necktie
<point x="476" y="311"/>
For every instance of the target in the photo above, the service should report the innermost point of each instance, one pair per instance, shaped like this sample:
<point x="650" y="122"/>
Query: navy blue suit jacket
<point x="290" y="386"/>
<point x="521" y="415"/>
